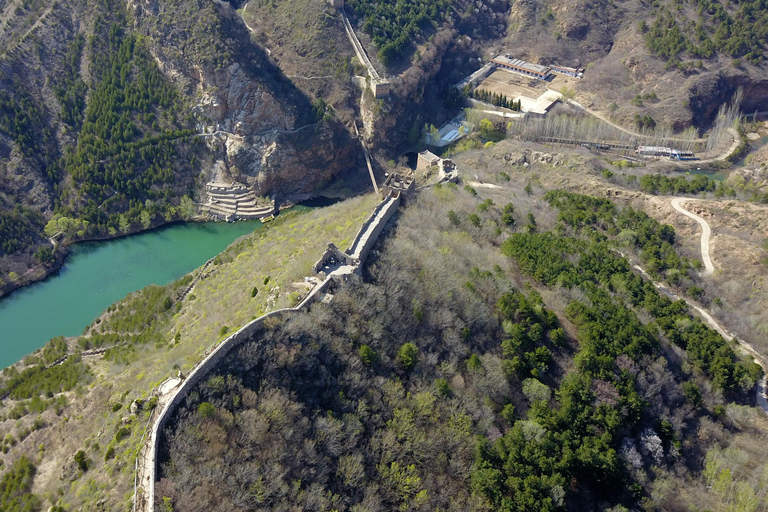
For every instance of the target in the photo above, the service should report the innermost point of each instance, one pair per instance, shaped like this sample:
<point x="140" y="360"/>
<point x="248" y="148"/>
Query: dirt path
<point x="762" y="400"/>
<point x="479" y="184"/>
<point x="607" y="120"/>
<point x="705" y="233"/>
<point x="734" y="145"/>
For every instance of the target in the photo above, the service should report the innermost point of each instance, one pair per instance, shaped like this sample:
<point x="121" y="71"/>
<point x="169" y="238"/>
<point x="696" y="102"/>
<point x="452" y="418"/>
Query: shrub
<point x="692" y="393"/>
<point x="442" y="388"/>
<point x="557" y="337"/>
<point x="407" y="356"/>
<point x="206" y="410"/>
<point x="474" y="364"/>
<point x="81" y="460"/>
<point x="506" y="216"/>
<point x="696" y="292"/>
<point x="535" y="390"/>
<point x="367" y="354"/>
<point x="122" y="433"/>
<point x="508" y="413"/>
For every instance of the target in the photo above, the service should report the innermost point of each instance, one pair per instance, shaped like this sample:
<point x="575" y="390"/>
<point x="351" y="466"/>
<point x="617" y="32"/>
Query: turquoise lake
<point x="96" y="274"/>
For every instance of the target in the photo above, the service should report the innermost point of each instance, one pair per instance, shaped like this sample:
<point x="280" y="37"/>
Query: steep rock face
<point x="273" y="141"/>
<point x="234" y="102"/>
<point x="710" y="91"/>
<point x="292" y="165"/>
<point x="391" y="121"/>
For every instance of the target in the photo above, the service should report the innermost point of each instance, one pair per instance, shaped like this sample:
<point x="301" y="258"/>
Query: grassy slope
<point x="307" y="39"/>
<point x="285" y="251"/>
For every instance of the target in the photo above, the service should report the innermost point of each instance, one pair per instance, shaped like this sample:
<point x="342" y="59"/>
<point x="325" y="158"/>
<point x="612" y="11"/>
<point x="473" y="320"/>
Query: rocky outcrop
<point x="526" y="157"/>
<point x="268" y="137"/>
<point x="290" y="165"/>
<point x="710" y="91"/>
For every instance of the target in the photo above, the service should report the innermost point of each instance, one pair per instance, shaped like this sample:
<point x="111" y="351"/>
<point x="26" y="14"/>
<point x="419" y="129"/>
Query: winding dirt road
<point x="705" y="234"/>
<point x="762" y="400"/>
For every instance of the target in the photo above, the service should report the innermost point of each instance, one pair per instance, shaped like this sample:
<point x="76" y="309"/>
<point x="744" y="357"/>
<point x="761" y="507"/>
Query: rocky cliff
<point x="111" y="113"/>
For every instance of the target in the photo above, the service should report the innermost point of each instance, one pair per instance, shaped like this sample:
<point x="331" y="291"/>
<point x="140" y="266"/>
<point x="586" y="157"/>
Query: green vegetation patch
<point x="15" y="487"/>
<point x="661" y="184"/>
<point x="18" y="229"/>
<point x="124" y="163"/>
<point x="39" y="380"/>
<point x="593" y="266"/>
<point x="392" y="24"/>
<point x="738" y="31"/>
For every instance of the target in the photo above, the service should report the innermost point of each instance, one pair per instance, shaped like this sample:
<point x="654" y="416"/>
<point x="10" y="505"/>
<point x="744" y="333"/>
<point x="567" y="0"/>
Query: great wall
<point x="334" y="266"/>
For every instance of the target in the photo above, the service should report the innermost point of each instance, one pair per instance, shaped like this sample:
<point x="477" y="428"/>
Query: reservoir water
<point x="96" y="274"/>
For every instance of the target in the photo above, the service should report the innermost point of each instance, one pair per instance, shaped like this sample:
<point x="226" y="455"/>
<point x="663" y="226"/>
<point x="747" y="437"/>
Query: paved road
<point x="705" y="233"/>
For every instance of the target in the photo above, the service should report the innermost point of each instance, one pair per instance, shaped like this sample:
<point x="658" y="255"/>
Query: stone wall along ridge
<point x="364" y="240"/>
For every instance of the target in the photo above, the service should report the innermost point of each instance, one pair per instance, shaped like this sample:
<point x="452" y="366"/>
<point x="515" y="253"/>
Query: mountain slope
<point x="105" y="126"/>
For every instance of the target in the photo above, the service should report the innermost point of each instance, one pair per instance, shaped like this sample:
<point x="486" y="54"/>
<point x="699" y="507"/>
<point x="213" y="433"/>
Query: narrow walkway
<point x="359" y="50"/>
<point x="371" y="230"/>
<point x="370" y="169"/>
<point x="705" y="234"/>
<point x="367" y="157"/>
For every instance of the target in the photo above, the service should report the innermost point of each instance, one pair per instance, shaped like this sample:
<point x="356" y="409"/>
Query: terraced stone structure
<point x="235" y="201"/>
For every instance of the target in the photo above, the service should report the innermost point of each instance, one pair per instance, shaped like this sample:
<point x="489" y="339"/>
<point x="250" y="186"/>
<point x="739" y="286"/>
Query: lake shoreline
<point x="93" y="274"/>
<point x="44" y="270"/>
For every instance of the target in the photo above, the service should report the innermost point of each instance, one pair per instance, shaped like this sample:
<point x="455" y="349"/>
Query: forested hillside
<point x="737" y="32"/>
<point x="107" y="146"/>
<point x="103" y="109"/>
<point x="393" y="24"/>
<point x="493" y="359"/>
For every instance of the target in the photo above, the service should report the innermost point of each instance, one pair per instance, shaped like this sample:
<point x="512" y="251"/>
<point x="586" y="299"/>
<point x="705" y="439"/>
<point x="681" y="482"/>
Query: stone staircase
<point x="234" y="201"/>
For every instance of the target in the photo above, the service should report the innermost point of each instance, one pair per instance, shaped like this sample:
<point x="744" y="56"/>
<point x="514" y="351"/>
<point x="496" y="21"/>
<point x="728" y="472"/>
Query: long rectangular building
<point x="564" y="70"/>
<point x="521" y="66"/>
